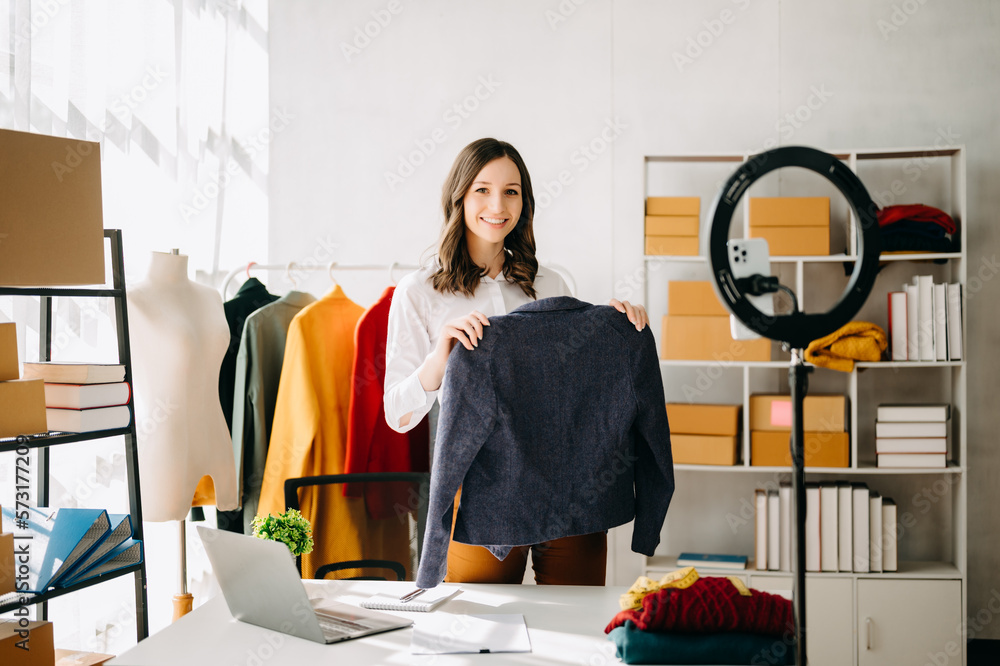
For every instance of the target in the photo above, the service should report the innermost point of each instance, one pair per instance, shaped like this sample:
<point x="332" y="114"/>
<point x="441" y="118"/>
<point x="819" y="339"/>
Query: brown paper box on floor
<point x="23" y="410"/>
<point x="790" y="212"/>
<point x="8" y="351"/>
<point x="694" y="297"/>
<point x="703" y="450"/>
<point x="7" y="563"/>
<point x="678" y="246"/>
<point x="76" y="658"/>
<point x="794" y="241"/>
<point x="39" y="646"/>
<point x="822" y="449"/>
<point x="673" y="206"/>
<point x="671" y="225"/>
<point x="687" y="419"/>
<point x="52" y="226"/>
<point x="708" y="339"/>
<point x="820" y="413"/>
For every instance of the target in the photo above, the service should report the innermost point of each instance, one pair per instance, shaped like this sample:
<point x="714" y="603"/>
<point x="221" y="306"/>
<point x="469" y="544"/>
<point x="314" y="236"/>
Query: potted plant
<point x="290" y="528"/>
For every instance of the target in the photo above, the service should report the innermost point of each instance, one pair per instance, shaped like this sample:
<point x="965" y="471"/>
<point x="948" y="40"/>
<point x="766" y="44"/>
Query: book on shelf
<point x="925" y="316"/>
<point x="829" y="527"/>
<point x="875" y="532"/>
<point x="912" y="322"/>
<point x="862" y="535"/>
<point x="845" y="536"/>
<point x="760" y="531"/>
<point x="75" y="373"/>
<point x="915" y="413"/>
<point x="897" y="325"/>
<point x="911" y="429"/>
<point x="813" y="536"/>
<point x="940" y="322"/>
<point x="785" y="541"/>
<point x="890" y="560"/>
<point x="86" y="396"/>
<point x="425" y="603"/>
<point x="120" y="530"/>
<point x="773" y="530"/>
<point x="712" y="561"/>
<point x="955" y="330"/>
<point x="87" y="420"/>
<point x="123" y="555"/>
<point x="913" y="460"/>
<point x="911" y="445"/>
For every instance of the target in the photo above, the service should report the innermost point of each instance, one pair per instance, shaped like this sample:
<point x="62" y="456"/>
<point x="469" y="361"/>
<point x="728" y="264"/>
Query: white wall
<point x="885" y="78"/>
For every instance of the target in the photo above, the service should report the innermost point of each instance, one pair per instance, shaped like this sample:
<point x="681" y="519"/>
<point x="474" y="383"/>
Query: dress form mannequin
<point x="179" y="336"/>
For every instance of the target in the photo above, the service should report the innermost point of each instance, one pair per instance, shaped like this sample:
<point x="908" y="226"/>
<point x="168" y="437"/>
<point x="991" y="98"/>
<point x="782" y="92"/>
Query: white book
<point x="773" y="531"/>
<point x="845" y="510"/>
<point x="911" y="445"/>
<point x="912" y="322"/>
<point x="925" y="316"/>
<point x="913" y="413"/>
<point x="875" y="532"/>
<point x="911" y="429"/>
<point x="897" y="325"/>
<point x="940" y="322"/>
<point x="913" y="460"/>
<point x="813" y="517"/>
<point x="862" y="512"/>
<point x="955" y="329"/>
<point x="86" y="396"/>
<point x="829" y="528"/>
<point x="785" y="499"/>
<point x="87" y="420"/>
<point x="890" y="560"/>
<point x="760" y="503"/>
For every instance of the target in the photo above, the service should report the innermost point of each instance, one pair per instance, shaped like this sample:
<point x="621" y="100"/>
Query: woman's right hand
<point x="467" y="330"/>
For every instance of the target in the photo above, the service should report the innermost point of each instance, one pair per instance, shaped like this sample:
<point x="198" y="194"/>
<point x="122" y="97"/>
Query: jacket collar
<point x="252" y="287"/>
<point x="553" y="304"/>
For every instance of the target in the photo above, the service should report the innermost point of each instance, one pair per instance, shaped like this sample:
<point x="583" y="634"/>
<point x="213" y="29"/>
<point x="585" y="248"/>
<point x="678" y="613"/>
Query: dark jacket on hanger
<point x="554" y="426"/>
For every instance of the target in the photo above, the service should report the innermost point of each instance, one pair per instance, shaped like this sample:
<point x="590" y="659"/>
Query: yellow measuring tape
<point x="680" y="579"/>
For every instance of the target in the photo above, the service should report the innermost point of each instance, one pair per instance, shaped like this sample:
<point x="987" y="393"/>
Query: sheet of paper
<point x="444" y="633"/>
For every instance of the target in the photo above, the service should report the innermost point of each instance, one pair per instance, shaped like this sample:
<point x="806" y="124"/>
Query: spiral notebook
<point x="425" y="603"/>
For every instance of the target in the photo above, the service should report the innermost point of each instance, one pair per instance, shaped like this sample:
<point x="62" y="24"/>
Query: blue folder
<point x="121" y="529"/>
<point x="123" y="555"/>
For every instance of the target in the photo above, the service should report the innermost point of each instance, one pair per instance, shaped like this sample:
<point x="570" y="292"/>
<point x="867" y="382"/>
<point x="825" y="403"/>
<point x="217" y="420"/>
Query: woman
<point x="485" y="266"/>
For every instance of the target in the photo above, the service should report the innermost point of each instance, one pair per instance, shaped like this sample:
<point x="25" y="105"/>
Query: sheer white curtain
<point x="176" y="93"/>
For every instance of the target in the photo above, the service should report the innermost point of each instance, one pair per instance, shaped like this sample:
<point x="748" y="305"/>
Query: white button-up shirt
<point x="416" y="317"/>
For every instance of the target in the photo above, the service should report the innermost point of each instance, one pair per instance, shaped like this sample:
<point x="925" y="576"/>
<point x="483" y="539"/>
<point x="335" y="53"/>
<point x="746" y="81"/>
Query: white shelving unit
<point x="867" y="618"/>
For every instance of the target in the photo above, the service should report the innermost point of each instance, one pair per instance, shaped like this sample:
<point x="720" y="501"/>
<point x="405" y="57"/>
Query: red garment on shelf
<point x="916" y="213"/>
<point x="710" y="605"/>
<point x="372" y="446"/>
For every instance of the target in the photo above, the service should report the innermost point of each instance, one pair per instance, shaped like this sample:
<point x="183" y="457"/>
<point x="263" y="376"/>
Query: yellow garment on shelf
<point x="854" y="341"/>
<point x="679" y="579"/>
<point x="309" y="438"/>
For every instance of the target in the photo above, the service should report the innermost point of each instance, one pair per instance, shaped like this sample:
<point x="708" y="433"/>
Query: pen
<point x="411" y="596"/>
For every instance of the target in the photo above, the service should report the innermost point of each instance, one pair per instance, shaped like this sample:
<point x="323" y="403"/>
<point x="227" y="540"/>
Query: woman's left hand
<point x="636" y="313"/>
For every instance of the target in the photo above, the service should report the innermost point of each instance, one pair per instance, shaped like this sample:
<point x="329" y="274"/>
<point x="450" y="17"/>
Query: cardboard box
<point x="704" y="449"/>
<point x="52" y="227"/>
<point x="694" y="298"/>
<point x="76" y="658"/>
<point x="673" y="206"/>
<point x="790" y="212"/>
<point x="39" y="646"/>
<point x="23" y="410"/>
<point x="707" y="338"/>
<point x="822" y="449"/>
<point x="680" y="246"/>
<point x="820" y="413"/>
<point x="7" y="563"/>
<point x="686" y="419"/>
<point x="794" y="241"/>
<point x="8" y="351"/>
<point x="671" y="225"/>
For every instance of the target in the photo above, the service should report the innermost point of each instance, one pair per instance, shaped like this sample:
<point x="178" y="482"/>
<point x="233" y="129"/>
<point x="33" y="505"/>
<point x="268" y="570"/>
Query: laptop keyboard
<point x="335" y="627"/>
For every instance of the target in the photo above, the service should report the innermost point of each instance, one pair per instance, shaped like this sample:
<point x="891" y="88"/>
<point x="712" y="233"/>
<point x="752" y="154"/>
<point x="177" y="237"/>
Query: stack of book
<point x="83" y="397"/>
<point x="925" y="321"/>
<point x="848" y="528"/>
<point x="912" y="435"/>
<point x="22" y="400"/>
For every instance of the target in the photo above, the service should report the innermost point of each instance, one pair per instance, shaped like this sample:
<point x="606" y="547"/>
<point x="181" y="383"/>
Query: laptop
<point x="262" y="586"/>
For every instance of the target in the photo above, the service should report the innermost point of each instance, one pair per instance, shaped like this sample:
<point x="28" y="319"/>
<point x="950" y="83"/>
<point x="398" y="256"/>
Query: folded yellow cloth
<point x="854" y="341"/>
<point x="678" y="579"/>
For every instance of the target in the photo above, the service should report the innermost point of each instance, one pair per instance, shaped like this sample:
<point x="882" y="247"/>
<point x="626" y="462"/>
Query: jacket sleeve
<point x="408" y="343"/>
<point x="654" y="467"/>
<point x="467" y="417"/>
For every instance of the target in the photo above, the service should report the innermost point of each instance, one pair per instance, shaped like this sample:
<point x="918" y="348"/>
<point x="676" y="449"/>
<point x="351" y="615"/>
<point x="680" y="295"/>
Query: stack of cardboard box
<point x="696" y="327"/>
<point x="824" y="418"/>
<point x="792" y="226"/>
<point x="704" y="434"/>
<point x="23" y="401"/>
<point x="672" y="225"/>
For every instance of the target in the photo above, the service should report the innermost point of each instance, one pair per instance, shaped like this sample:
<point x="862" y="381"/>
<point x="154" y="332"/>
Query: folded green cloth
<point x="646" y="647"/>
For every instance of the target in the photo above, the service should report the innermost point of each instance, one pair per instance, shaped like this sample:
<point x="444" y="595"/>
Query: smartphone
<point x="749" y="256"/>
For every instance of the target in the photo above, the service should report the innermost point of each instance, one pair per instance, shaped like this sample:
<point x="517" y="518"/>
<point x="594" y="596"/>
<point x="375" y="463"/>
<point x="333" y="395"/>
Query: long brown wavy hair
<point x="458" y="273"/>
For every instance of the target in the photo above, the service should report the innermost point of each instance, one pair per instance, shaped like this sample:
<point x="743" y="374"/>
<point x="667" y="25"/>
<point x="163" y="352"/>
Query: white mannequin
<point x="179" y="335"/>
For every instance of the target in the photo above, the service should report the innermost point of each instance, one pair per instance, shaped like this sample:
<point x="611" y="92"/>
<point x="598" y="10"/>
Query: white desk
<point x="565" y="625"/>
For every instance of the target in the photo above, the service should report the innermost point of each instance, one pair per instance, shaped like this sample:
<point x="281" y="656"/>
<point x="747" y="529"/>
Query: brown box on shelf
<point x="694" y="298"/>
<point x="794" y="241"/>
<point x="688" y="419"/>
<point x="37" y="651"/>
<point x="673" y="206"/>
<point x="77" y="658"/>
<point x="672" y="225"/>
<point x="8" y="351"/>
<point x="23" y="410"/>
<point x="7" y="563"/>
<point x="822" y="449"/>
<point x="820" y="413"/>
<point x="792" y="225"/>
<point x="704" y="449"/>
<point x="680" y="246"/>
<point x="688" y="338"/>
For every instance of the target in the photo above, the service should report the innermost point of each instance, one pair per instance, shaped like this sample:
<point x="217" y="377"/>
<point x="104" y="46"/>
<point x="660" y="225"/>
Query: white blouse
<point x="416" y="317"/>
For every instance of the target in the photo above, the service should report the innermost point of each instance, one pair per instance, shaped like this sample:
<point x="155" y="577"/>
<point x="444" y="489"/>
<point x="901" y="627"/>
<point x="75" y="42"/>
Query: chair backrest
<point x="393" y="500"/>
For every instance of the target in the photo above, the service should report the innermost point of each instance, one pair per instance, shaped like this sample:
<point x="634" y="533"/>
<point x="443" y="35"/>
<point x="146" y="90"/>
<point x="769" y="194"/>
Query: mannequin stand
<point x="184" y="600"/>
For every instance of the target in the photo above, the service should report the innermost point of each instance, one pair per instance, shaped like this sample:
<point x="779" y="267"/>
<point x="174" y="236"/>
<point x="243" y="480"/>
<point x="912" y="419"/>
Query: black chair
<point x="412" y="488"/>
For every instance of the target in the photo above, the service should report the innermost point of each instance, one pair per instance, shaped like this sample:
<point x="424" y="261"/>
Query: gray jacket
<point x="554" y="426"/>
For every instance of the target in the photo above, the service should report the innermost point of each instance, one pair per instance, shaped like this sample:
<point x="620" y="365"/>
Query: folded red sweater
<point x="916" y="213"/>
<point x="710" y="605"/>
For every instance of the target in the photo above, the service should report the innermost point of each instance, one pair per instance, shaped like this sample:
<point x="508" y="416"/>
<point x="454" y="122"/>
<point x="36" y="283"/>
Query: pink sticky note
<point x="781" y="413"/>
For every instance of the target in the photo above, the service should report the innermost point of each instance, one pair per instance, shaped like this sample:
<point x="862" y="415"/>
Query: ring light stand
<point x="797" y="329"/>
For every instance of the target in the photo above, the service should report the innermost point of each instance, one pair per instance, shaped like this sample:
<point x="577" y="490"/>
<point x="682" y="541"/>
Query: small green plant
<point x="290" y="528"/>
